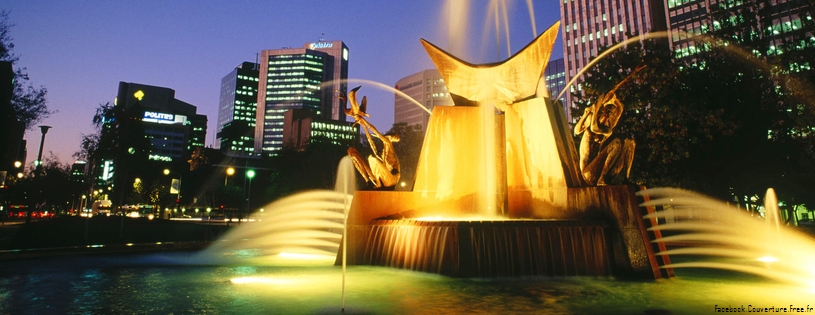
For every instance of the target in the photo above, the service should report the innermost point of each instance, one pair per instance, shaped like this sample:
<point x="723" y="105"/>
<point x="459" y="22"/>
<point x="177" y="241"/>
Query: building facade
<point x="303" y="127"/>
<point x="425" y="87"/>
<point x="312" y="77"/>
<point x="589" y="25"/>
<point x="153" y="131"/>
<point x="555" y="79"/>
<point x="237" y="110"/>
<point x="783" y="26"/>
<point x="173" y="127"/>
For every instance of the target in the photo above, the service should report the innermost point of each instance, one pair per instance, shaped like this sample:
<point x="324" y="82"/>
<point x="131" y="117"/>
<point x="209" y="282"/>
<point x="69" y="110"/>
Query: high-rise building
<point x="152" y="131"/>
<point x="78" y="170"/>
<point x="237" y="110"/>
<point x="426" y="87"/>
<point x="302" y="127"/>
<point x="173" y="126"/>
<point x="588" y="25"/>
<point x="688" y="18"/>
<point x="312" y="77"/>
<point x="555" y="79"/>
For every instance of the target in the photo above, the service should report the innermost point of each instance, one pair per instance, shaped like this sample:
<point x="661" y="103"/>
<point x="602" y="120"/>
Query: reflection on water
<point x="151" y="285"/>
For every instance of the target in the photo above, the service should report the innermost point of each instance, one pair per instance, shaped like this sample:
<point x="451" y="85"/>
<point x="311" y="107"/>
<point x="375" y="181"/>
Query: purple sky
<point x="80" y="50"/>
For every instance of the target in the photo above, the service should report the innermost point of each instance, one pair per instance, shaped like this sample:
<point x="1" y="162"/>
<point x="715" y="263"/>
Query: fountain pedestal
<point x="503" y="149"/>
<point x="602" y="228"/>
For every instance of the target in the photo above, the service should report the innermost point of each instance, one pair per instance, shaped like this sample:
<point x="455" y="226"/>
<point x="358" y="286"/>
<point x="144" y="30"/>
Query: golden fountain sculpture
<point x="605" y="157"/>
<point x="382" y="168"/>
<point x="499" y="167"/>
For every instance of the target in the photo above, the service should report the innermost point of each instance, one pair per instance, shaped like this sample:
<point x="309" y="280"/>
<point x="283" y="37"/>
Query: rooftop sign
<point x="319" y="45"/>
<point x="163" y="118"/>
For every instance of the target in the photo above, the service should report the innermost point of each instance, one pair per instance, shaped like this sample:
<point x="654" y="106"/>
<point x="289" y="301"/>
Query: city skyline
<point x="81" y="52"/>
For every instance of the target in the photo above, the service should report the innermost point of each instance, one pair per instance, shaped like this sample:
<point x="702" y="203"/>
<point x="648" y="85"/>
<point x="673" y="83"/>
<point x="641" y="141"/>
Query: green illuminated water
<point x="158" y="284"/>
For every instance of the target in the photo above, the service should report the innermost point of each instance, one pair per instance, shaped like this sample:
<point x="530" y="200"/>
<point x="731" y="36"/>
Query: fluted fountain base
<point x="490" y="248"/>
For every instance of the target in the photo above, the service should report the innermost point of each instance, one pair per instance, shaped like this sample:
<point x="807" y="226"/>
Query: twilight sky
<point x="80" y="50"/>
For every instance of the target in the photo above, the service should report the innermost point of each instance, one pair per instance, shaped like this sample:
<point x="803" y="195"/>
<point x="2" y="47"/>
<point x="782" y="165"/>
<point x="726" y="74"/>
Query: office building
<point x="302" y="127"/>
<point x="78" y="170"/>
<point x="311" y="77"/>
<point x="153" y="131"/>
<point x="173" y="126"/>
<point x="555" y="79"/>
<point x="783" y="27"/>
<point x="237" y="110"/>
<point x="588" y="25"/>
<point x="425" y="87"/>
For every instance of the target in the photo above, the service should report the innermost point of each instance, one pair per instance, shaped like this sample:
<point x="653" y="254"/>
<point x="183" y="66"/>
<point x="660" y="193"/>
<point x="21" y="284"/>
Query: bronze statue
<point x="382" y="168"/>
<point x="604" y="157"/>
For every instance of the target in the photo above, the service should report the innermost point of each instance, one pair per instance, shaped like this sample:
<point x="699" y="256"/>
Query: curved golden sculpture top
<point x="504" y="82"/>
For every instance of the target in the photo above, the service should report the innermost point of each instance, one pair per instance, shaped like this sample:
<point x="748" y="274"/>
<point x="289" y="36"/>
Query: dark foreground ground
<point x="75" y="235"/>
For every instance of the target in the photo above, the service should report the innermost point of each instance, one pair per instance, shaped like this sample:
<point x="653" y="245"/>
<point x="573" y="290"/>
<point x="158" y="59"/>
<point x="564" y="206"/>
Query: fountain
<point x="499" y="176"/>
<point x="545" y="216"/>
<point x="709" y="228"/>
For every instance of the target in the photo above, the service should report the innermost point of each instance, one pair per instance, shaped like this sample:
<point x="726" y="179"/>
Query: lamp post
<point x="249" y="174"/>
<point x="229" y="172"/>
<point x="44" y="130"/>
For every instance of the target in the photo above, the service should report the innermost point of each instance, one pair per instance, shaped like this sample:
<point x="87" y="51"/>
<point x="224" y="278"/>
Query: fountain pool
<point x="160" y="284"/>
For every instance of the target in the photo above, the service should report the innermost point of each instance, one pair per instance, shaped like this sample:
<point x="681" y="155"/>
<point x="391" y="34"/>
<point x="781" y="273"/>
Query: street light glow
<point x="230" y="171"/>
<point x="250" y="173"/>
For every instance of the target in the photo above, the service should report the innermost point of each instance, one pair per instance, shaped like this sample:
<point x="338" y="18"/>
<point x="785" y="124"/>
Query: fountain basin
<point x="601" y="232"/>
<point x="502" y="248"/>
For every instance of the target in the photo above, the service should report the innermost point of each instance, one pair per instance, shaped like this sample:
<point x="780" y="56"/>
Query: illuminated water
<point x="744" y="242"/>
<point x="149" y="284"/>
<point x="306" y="223"/>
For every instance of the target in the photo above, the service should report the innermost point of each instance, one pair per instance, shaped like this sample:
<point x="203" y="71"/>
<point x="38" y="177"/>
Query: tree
<point x="120" y="138"/>
<point x="408" y="149"/>
<point x="294" y="170"/>
<point x="730" y="121"/>
<point x="53" y="190"/>
<point x="28" y="102"/>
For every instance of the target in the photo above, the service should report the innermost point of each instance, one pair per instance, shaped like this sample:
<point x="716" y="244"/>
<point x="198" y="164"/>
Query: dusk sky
<point x="80" y="50"/>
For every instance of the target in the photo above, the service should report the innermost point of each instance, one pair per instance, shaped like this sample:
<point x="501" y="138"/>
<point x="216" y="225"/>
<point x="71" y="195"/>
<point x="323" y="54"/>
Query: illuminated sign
<point x="321" y="45"/>
<point x="164" y="118"/>
<point x="160" y="158"/>
<point x="158" y="116"/>
<point x="107" y="172"/>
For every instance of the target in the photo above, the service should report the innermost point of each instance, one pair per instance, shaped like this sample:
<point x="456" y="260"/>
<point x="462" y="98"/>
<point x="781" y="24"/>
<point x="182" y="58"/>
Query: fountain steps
<point x="489" y="248"/>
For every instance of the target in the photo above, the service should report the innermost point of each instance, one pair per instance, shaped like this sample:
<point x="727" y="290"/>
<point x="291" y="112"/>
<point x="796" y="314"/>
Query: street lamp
<point x="229" y="172"/>
<point x="44" y="130"/>
<point x="249" y="174"/>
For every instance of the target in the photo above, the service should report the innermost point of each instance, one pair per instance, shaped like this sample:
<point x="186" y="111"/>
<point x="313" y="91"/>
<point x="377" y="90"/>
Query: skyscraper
<point x="151" y="130"/>
<point x="588" y="25"/>
<point x="426" y="87"/>
<point x="555" y="80"/>
<point x="237" y="110"/>
<point x="311" y="77"/>
<point x="783" y="25"/>
<point x="173" y="126"/>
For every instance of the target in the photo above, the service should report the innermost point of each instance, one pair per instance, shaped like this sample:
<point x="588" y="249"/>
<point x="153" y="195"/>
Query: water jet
<point x="503" y="152"/>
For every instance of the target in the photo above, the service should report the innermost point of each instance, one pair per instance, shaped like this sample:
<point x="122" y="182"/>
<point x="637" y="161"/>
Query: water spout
<point x="731" y="239"/>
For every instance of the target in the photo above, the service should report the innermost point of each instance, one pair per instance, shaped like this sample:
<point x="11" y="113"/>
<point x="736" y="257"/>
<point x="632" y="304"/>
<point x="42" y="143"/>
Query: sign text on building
<point x="319" y="45"/>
